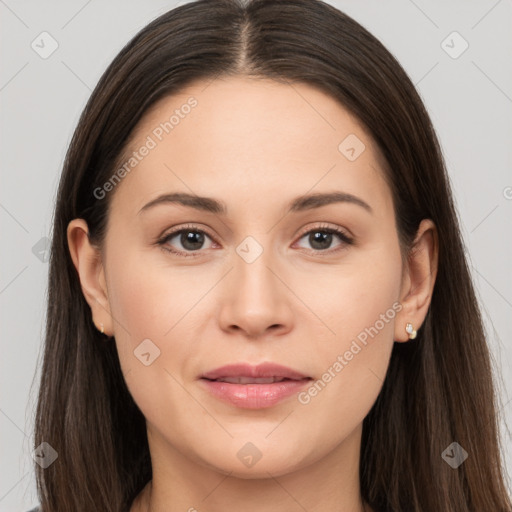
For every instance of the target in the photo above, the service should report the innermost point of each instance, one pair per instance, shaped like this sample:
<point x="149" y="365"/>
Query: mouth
<point x="254" y="380"/>
<point x="253" y="387"/>
<point x="247" y="371"/>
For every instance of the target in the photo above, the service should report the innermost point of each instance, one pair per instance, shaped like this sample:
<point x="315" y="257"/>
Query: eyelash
<point x="191" y="228"/>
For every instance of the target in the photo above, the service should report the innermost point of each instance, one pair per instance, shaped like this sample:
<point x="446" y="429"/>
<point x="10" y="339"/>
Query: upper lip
<point x="248" y="370"/>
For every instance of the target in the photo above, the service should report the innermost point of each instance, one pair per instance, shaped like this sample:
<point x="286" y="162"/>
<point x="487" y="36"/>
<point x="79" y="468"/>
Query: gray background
<point x="469" y="99"/>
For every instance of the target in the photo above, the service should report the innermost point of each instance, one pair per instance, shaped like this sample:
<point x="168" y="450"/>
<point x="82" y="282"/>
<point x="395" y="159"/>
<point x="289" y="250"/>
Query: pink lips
<point x="253" y="387"/>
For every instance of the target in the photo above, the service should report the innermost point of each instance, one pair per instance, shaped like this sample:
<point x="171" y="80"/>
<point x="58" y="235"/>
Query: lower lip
<point x="254" y="396"/>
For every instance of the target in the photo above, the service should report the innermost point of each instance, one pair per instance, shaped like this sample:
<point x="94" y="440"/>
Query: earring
<point x="410" y="330"/>
<point x="102" y="330"/>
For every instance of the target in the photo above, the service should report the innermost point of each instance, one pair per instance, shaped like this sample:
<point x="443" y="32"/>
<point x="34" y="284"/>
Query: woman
<point x="258" y="293"/>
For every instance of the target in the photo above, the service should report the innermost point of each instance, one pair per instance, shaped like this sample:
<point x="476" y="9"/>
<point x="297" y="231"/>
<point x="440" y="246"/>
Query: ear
<point x="418" y="280"/>
<point x="88" y="263"/>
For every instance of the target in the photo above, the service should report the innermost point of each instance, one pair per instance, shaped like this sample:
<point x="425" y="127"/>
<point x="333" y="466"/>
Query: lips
<point x="251" y="380"/>
<point x="253" y="387"/>
<point x="243" y="373"/>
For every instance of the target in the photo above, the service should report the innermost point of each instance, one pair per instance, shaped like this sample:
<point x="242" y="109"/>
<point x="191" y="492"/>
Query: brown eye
<point x="321" y="238"/>
<point x="190" y="239"/>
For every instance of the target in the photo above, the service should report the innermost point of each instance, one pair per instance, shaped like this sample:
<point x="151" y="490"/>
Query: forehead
<point x="249" y="139"/>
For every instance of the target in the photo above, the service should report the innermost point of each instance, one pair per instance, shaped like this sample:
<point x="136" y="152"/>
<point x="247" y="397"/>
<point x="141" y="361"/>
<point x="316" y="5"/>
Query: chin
<point x="275" y="465"/>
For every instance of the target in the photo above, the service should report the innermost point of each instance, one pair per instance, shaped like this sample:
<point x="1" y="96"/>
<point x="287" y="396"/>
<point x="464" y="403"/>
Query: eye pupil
<point x="192" y="237"/>
<point x="320" y="237"/>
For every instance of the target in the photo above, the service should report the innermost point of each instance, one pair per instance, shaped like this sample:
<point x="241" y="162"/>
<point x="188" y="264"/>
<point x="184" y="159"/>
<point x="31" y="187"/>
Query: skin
<point x="255" y="145"/>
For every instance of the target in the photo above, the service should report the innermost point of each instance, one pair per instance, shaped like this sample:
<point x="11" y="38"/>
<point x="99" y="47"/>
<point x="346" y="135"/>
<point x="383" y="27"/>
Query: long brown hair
<point x="439" y="389"/>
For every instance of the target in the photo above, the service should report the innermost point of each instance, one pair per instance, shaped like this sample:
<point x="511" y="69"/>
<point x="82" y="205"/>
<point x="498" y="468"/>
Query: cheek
<point x="146" y="297"/>
<point x="359" y="304"/>
<point x="358" y="295"/>
<point x="145" y="305"/>
<point x="148" y="303"/>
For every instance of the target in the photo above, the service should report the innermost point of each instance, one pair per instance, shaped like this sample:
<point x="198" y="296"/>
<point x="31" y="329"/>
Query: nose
<point x="255" y="299"/>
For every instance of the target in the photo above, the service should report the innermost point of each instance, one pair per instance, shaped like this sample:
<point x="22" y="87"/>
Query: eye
<point x="321" y="238"/>
<point x="190" y="238"/>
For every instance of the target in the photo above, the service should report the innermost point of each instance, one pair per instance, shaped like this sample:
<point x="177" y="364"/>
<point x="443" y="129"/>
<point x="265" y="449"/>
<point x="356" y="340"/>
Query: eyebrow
<point x="208" y="204"/>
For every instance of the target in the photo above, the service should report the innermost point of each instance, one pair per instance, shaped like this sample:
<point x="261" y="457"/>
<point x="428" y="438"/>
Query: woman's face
<point x="253" y="280"/>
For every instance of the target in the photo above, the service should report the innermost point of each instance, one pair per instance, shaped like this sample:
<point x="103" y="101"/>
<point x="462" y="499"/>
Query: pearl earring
<point x="410" y="330"/>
